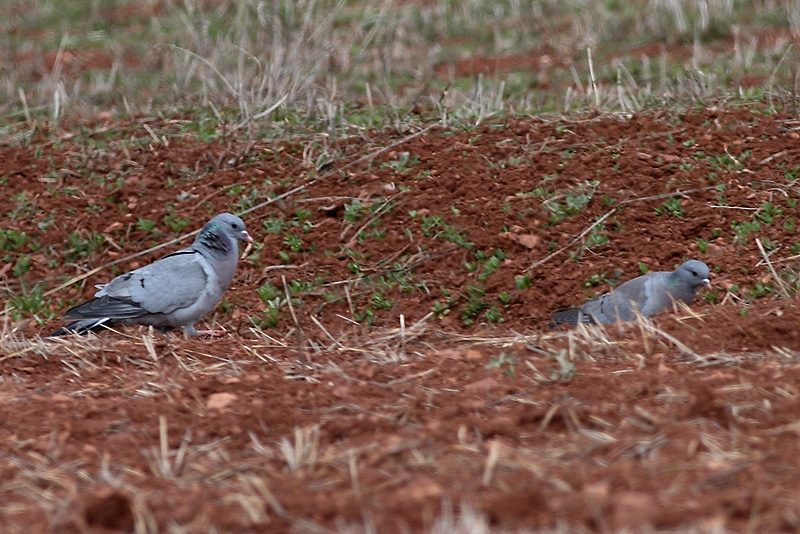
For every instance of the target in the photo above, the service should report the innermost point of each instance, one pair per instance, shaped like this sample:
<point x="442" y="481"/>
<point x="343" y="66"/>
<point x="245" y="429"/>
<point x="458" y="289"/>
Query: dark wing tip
<point x="83" y="327"/>
<point x="105" y="307"/>
<point x="571" y="316"/>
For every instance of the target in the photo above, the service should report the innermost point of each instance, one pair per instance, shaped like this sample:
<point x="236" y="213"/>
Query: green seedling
<point x="146" y="225"/>
<point x="523" y="282"/>
<point x="768" y="213"/>
<point x="504" y="361"/>
<point x="575" y="200"/>
<point x="597" y="237"/>
<point x="743" y="230"/>
<point x="11" y="240"/>
<point x="355" y="211"/>
<point x="30" y="303"/>
<point x="79" y="246"/>
<point x="175" y="223"/>
<point x="671" y="206"/>
<point x="595" y="280"/>
<point x="435" y="227"/>
<point x="760" y="290"/>
<point x="401" y="164"/>
<point x="294" y="242"/>
<point x="475" y="304"/>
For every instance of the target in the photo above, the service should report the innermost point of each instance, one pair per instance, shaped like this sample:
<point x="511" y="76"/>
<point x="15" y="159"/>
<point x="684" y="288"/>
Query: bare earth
<point x="476" y="405"/>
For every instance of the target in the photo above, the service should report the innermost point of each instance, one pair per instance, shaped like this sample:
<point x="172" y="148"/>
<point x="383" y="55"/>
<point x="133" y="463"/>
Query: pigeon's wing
<point x="571" y="316"/>
<point x="620" y="304"/>
<point x="173" y="283"/>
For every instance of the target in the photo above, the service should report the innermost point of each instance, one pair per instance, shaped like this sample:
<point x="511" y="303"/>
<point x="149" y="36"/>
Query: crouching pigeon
<point x="649" y="294"/>
<point x="176" y="290"/>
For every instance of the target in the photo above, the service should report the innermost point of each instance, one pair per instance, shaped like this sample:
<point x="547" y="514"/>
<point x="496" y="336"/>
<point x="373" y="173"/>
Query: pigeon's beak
<point x="706" y="282"/>
<point x="246" y="236"/>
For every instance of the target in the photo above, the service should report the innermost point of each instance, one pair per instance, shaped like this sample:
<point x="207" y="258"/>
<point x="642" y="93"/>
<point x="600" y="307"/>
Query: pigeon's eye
<point x="235" y="226"/>
<point x="694" y="273"/>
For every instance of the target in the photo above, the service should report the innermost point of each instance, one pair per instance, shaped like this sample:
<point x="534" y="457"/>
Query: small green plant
<point x="274" y="300"/>
<point x="23" y="206"/>
<point x="475" y="304"/>
<point x="743" y="230"/>
<point x="268" y="292"/>
<point x="401" y="164"/>
<point x="760" y="290"/>
<point x="11" y="240"/>
<point x="595" y="280"/>
<point x="434" y="226"/>
<point x="493" y="315"/>
<point x="440" y="309"/>
<point x="768" y="213"/>
<point x="294" y="242"/>
<point x="299" y="287"/>
<point x="702" y="245"/>
<point x="504" y="361"/>
<point x="275" y="225"/>
<point x="175" y="223"/>
<point x="354" y="211"/>
<point x="539" y="192"/>
<point x="22" y="265"/>
<point x="146" y="225"/>
<point x="672" y="206"/>
<point x="524" y="281"/>
<point x="80" y="246"/>
<point x="366" y="316"/>
<point x="597" y="237"/>
<point x="380" y="302"/>
<point x="575" y="200"/>
<point x="30" y="302"/>
<point x="490" y="263"/>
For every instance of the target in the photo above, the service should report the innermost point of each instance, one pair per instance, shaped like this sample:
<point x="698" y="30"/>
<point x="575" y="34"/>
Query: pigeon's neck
<point x="680" y="286"/>
<point x="215" y="241"/>
<point x="674" y="279"/>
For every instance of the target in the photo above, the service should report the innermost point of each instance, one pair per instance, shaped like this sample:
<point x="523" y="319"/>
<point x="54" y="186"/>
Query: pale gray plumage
<point x="649" y="294"/>
<point x="175" y="291"/>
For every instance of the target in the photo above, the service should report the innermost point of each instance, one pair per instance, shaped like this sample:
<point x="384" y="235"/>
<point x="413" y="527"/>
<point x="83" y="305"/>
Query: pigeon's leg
<point x="191" y="331"/>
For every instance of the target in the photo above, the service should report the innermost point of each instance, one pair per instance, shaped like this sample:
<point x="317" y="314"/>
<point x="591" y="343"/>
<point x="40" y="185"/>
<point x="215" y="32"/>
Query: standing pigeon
<point x="176" y="290"/>
<point x="649" y="294"/>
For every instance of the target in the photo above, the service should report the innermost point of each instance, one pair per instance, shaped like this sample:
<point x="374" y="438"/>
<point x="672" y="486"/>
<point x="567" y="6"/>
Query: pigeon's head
<point x="222" y="231"/>
<point x="233" y="227"/>
<point x="694" y="273"/>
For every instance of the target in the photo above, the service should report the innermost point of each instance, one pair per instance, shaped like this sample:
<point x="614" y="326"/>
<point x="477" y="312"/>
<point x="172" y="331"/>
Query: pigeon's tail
<point x="84" y="326"/>
<point x="571" y="316"/>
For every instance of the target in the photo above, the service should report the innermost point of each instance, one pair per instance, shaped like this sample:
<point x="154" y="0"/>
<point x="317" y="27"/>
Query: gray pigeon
<point x="176" y="290"/>
<point x="649" y="294"/>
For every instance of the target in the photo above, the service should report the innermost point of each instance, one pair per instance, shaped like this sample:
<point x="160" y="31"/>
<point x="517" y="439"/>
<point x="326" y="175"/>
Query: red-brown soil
<point x="339" y="418"/>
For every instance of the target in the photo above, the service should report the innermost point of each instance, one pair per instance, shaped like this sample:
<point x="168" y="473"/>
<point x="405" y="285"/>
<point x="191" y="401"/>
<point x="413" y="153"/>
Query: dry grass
<point x="255" y="67"/>
<point x="137" y="366"/>
<point x="339" y="68"/>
